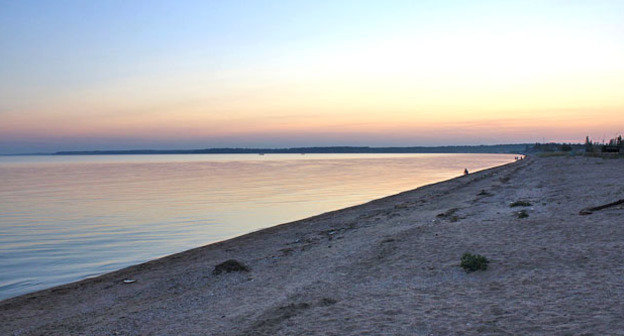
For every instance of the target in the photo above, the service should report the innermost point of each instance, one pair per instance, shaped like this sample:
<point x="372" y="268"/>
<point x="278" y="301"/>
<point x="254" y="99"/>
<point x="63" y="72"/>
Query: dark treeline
<point x="555" y="147"/>
<point x="505" y="148"/>
<point x="615" y="145"/>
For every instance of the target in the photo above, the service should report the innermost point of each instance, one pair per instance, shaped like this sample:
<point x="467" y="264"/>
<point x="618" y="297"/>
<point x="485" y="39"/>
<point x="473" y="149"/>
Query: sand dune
<point x="387" y="267"/>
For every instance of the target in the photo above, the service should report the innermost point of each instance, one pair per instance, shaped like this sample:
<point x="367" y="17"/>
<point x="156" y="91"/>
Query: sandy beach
<point x="387" y="267"/>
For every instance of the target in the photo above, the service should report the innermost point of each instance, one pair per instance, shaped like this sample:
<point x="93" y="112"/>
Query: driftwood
<point x="588" y="211"/>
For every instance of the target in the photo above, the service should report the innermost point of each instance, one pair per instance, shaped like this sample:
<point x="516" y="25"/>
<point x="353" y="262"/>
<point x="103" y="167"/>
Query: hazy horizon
<point x="195" y="74"/>
<point x="281" y="147"/>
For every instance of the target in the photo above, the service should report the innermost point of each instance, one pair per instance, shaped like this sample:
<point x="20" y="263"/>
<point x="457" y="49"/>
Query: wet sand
<point x="390" y="266"/>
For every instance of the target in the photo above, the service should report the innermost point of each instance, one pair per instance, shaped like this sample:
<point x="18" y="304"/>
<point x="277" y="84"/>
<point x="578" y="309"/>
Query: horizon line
<point x="278" y="150"/>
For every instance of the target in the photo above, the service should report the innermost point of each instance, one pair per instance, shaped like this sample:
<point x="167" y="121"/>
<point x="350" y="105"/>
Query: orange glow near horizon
<point x="488" y="82"/>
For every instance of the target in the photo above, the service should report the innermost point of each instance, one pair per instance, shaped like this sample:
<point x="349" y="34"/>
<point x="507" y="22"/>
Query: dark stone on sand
<point x="520" y="204"/>
<point x="484" y="193"/>
<point x="448" y="213"/>
<point x="328" y="301"/>
<point x="229" y="266"/>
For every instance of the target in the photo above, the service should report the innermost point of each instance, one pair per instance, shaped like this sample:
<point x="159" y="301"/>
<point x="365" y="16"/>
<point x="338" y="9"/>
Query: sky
<point x="83" y="75"/>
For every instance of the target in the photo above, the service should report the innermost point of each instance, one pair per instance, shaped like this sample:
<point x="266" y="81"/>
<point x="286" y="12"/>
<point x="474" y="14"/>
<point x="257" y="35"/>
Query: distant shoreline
<point x="494" y="149"/>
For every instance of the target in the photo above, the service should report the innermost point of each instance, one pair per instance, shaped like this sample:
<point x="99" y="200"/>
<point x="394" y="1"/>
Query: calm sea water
<point x="65" y="218"/>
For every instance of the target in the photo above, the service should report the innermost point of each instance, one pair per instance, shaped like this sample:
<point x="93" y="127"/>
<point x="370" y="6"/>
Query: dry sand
<point x="388" y="267"/>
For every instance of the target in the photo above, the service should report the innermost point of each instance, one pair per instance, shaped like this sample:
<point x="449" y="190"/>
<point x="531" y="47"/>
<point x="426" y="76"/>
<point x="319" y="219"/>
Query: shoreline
<point x="190" y="214"/>
<point x="339" y="272"/>
<point x="298" y="221"/>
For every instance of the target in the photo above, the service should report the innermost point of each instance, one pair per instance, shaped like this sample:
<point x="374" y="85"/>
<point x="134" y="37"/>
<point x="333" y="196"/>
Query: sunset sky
<point x="79" y="75"/>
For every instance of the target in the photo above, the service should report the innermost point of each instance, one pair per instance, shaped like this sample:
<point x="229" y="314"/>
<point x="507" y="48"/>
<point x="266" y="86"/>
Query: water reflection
<point x="63" y="218"/>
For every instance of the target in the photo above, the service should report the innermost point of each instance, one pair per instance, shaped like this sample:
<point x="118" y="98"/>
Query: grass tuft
<point x="474" y="262"/>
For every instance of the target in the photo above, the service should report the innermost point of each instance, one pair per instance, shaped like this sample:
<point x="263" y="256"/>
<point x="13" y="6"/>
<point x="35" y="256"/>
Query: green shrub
<point x="473" y="262"/>
<point x="520" y="203"/>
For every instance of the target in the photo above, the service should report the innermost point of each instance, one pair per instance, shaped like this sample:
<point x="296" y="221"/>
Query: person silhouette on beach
<point x="466" y="171"/>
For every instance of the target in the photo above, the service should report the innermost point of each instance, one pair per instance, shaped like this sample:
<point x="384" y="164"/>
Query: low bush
<point x="473" y="262"/>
